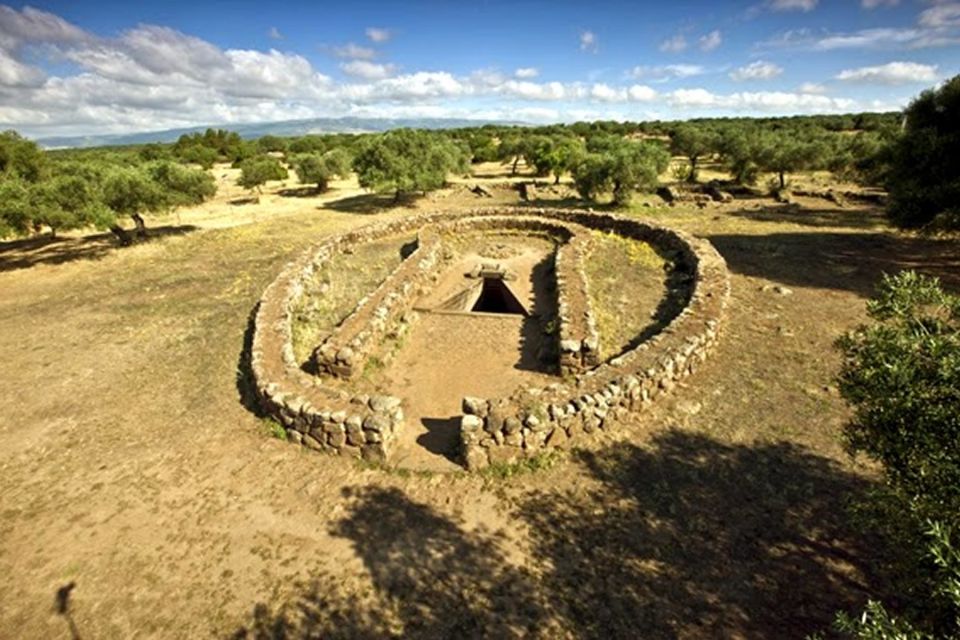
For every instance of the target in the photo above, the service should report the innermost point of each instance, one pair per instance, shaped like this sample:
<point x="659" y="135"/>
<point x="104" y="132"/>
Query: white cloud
<point x="274" y="34"/>
<point x="588" y="41"/>
<point x="873" y="4"/>
<point x="152" y="77"/>
<point x="378" y="34"/>
<point x="812" y="87"/>
<point x="674" y="44"/>
<point x="710" y="41"/>
<point x="758" y="70"/>
<point x="761" y="101"/>
<point x="891" y="73"/>
<point x="526" y="72"/>
<point x="32" y="25"/>
<point x="641" y="93"/>
<point x="941" y="16"/>
<point x="355" y="51"/>
<point x="14" y="73"/>
<point x="793" y="5"/>
<point x="367" y="70"/>
<point x="666" y="72"/>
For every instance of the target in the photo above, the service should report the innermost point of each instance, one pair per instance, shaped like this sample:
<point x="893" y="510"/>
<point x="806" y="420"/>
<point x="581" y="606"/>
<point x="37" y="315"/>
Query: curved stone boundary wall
<point x="330" y="419"/>
<point x="504" y="430"/>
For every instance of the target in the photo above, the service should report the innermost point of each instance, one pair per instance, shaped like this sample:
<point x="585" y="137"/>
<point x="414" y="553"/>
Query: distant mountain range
<point x="285" y="128"/>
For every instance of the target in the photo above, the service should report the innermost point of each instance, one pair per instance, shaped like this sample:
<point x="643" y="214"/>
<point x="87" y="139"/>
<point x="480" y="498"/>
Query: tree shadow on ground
<point x="688" y="537"/>
<point x="700" y="538"/>
<point x="843" y="261"/>
<point x="299" y="192"/>
<point x="26" y="253"/>
<point x="818" y="216"/>
<point x="369" y="203"/>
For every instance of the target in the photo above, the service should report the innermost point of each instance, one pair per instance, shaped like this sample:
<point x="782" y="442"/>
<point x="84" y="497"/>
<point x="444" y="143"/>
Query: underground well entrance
<point x="496" y="297"/>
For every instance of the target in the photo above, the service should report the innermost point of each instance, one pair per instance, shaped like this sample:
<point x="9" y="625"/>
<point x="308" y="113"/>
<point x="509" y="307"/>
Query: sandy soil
<point x="134" y="469"/>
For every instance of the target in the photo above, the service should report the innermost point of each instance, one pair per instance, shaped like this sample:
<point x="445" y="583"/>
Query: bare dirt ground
<point x="134" y="469"/>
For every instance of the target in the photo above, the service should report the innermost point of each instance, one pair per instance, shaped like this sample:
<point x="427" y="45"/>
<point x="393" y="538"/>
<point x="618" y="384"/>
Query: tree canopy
<point x="406" y="160"/>
<point x="923" y="177"/>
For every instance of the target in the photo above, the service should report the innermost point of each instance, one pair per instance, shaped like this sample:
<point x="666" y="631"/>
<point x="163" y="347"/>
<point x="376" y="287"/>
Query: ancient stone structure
<point x="590" y="395"/>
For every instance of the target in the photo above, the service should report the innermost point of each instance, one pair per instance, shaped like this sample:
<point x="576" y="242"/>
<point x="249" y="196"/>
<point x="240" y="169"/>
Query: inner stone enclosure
<point x="482" y="337"/>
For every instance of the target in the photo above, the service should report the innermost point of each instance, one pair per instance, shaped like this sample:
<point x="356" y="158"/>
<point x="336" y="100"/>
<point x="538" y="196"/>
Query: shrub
<point x="902" y="376"/>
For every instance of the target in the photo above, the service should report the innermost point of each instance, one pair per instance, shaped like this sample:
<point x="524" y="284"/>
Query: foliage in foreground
<point x="902" y="376"/>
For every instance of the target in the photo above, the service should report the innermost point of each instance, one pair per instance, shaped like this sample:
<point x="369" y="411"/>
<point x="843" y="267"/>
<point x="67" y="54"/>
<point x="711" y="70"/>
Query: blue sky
<point x="108" y="67"/>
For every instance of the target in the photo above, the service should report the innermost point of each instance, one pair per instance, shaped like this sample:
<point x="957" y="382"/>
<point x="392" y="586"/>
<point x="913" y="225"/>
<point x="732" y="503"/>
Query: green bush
<point x="901" y="374"/>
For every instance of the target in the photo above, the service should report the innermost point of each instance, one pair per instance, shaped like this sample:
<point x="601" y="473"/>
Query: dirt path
<point x="133" y="469"/>
<point x="447" y="357"/>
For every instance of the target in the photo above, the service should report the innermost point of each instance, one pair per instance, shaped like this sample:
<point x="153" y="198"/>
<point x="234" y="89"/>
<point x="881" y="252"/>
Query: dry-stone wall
<point x="579" y="340"/>
<point x="504" y="430"/>
<point x="592" y="395"/>
<point x="343" y="353"/>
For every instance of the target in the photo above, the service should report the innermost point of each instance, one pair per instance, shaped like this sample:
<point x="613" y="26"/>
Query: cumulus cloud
<point x="152" y="77"/>
<point x="710" y="41"/>
<point x="761" y="101"/>
<point x="588" y="41"/>
<point x="367" y="70"/>
<point x="378" y="34"/>
<point x="891" y="73"/>
<point x="758" y="70"/>
<point x="674" y="44"/>
<point x="666" y="72"/>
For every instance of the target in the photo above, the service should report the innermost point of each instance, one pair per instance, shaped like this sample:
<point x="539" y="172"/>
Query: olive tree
<point x="693" y="142"/>
<point x="621" y="166"/>
<point x="256" y="171"/>
<point x="319" y="169"/>
<point x="901" y="374"/>
<point x="406" y="160"/>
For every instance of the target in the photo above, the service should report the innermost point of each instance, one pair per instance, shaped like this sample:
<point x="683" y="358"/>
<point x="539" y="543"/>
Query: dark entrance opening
<point x="496" y="297"/>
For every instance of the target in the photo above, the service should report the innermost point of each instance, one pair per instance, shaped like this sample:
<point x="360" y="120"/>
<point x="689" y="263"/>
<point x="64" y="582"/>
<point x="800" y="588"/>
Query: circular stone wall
<point x="589" y="395"/>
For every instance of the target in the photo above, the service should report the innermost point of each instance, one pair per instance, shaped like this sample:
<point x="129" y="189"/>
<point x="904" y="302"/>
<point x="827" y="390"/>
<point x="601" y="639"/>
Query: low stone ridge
<point x="592" y="396"/>
<point x="356" y="337"/>
<point x="579" y="340"/>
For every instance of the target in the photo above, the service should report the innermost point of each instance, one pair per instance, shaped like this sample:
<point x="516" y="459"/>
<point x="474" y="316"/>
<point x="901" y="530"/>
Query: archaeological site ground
<point x="456" y="415"/>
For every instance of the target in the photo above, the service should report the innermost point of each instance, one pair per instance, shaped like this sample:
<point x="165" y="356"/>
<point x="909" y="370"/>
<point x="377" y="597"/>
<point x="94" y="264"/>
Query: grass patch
<point x="274" y="429"/>
<point x="542" y="461"/>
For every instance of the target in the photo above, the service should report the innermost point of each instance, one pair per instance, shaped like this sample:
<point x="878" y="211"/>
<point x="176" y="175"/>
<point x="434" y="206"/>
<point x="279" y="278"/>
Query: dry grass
<point x="133" y="466"/>
<point x="627" y="282"/>
<point x="334" y="291"/>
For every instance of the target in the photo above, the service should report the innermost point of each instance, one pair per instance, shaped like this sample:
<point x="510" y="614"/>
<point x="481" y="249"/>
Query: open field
<point x="134" y="466"/>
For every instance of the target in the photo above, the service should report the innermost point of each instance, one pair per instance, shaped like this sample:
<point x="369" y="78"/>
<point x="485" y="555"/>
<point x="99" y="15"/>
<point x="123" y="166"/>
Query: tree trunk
<point x="693" y="169"/>
<point x="123" y="237"/>
<point x="141" y="225"/>
<point x="557" y="180"/>
<point x="396" y="196"/>
<point x="516" y="161"/>
<point x="782" y="181"/>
